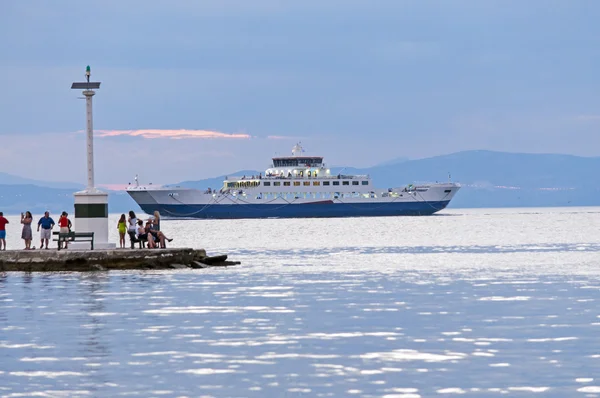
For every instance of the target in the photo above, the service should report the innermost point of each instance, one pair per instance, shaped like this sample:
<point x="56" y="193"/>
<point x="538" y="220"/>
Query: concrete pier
<point x="104" y="260"/>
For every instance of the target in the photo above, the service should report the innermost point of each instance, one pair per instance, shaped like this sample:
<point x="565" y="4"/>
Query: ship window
<point x="285" y="163"/>
<point x="286" y="184"/>
<point x="296" y="183"/>
<point x="316" y="183"/>
<point x="276" y="184"/>
<point x="267" y="184"/>
<point x="230" y="184"/>
<point x="364" y="182"/>
<point x="306" y="183"/>
<point x="354" y="182"/>
<point x="326" y="183"/>
<point x="447" y="191"/>
<point x="345" y="182"/>
<point x="336" y="183"/>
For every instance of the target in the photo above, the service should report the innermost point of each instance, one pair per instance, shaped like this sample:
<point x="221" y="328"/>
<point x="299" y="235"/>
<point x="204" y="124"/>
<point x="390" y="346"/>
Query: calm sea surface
<point x="473" y="302"/>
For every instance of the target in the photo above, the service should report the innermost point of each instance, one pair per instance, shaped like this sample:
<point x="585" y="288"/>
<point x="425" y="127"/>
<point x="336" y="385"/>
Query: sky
<point x="195" y="89"/>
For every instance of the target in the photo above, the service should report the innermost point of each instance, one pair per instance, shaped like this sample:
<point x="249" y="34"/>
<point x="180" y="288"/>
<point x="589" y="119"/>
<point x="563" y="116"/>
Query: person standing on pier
<point x="65" y="227"/>
<point x="3" y="222"/>
<point x="26" y="234"/>
<point x="122" y="227"/>
<point x="47" y="224"/>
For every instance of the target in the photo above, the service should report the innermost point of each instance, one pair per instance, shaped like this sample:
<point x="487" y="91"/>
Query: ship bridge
<point x="297" y="160"/>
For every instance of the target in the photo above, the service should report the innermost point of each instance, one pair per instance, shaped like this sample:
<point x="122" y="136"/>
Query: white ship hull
<point x="295" y="186"/>
<point x="178" y="202"/>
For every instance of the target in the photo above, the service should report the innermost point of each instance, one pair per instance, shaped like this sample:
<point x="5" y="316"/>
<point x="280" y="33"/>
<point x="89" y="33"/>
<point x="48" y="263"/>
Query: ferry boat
<point x="295" y="186"/>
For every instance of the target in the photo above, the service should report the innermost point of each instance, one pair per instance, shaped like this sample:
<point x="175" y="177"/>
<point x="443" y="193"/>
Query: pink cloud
<point x="171" y="134"/>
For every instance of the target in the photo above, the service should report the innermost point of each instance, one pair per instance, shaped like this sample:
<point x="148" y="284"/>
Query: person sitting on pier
<point x="150" y="236"/>
<point x="154" y="238"/>
<point x="157" y="234"/>
<point x="141" y="231"/>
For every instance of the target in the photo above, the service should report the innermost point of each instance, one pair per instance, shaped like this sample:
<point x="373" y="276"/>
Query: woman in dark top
<point x="159" y="236"/>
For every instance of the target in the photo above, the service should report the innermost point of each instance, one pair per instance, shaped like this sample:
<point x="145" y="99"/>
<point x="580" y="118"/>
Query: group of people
<point x="131" y="225"/>
<point x="136" y="230"/>
<point x="44" y="227"/>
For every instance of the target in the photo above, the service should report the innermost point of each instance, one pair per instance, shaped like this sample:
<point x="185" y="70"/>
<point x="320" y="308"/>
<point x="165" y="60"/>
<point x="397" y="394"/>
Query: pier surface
<point x="101" y="260"/>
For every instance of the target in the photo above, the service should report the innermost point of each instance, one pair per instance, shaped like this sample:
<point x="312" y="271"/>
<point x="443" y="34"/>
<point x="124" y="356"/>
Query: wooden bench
<point x="74" y="237"/>
<point x="133" y="239"/>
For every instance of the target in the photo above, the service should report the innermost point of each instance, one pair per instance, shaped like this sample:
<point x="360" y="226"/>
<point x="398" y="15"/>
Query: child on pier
<point x="122" y="227"/>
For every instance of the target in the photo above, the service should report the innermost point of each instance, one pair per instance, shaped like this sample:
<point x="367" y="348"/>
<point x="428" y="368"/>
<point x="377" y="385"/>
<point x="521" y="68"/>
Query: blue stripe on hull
<point x="235" y="211"/>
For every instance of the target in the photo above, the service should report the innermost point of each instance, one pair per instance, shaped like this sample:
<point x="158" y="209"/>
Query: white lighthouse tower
<point x="91" y="204"/>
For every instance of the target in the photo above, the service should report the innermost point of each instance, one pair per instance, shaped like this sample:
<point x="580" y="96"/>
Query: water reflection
<point x="188" y="333"/>
<point x="411" y="308"/>
<point x="93" y="330"/>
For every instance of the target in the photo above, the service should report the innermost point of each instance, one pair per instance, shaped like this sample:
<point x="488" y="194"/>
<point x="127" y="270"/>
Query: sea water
<point x="472" y="302"/>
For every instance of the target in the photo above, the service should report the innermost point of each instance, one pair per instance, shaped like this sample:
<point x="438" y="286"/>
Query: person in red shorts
<point x="3" y="222"/>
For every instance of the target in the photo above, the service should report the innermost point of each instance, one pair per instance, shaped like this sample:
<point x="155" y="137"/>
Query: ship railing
<point x="297" y="177"/>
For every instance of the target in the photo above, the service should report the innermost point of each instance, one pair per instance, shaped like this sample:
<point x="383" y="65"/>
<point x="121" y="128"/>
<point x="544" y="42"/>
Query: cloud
<point x="171" y="134"/>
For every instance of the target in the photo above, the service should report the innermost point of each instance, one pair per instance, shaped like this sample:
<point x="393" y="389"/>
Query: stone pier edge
<point x="101" y="260"/>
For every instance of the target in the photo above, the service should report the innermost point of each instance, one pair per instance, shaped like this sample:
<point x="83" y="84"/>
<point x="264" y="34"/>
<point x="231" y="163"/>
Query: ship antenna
<point x="137" y="184"/>
<point x="449" y="177"/>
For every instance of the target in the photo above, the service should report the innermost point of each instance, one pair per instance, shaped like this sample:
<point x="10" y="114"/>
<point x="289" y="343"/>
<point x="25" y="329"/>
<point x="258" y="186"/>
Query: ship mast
<point x="297" y="150"/>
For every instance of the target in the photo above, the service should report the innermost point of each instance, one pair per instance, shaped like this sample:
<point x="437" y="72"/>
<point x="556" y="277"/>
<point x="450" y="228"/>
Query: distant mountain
<point x="497" y="168"/>
<point x="394" y="161"/>
<point x="216" y="182"/>
<point x="489" y="179"/>
<point x="15" y="199"/>
<point x="500" y="179"/>
<point x="9" y="179"/>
